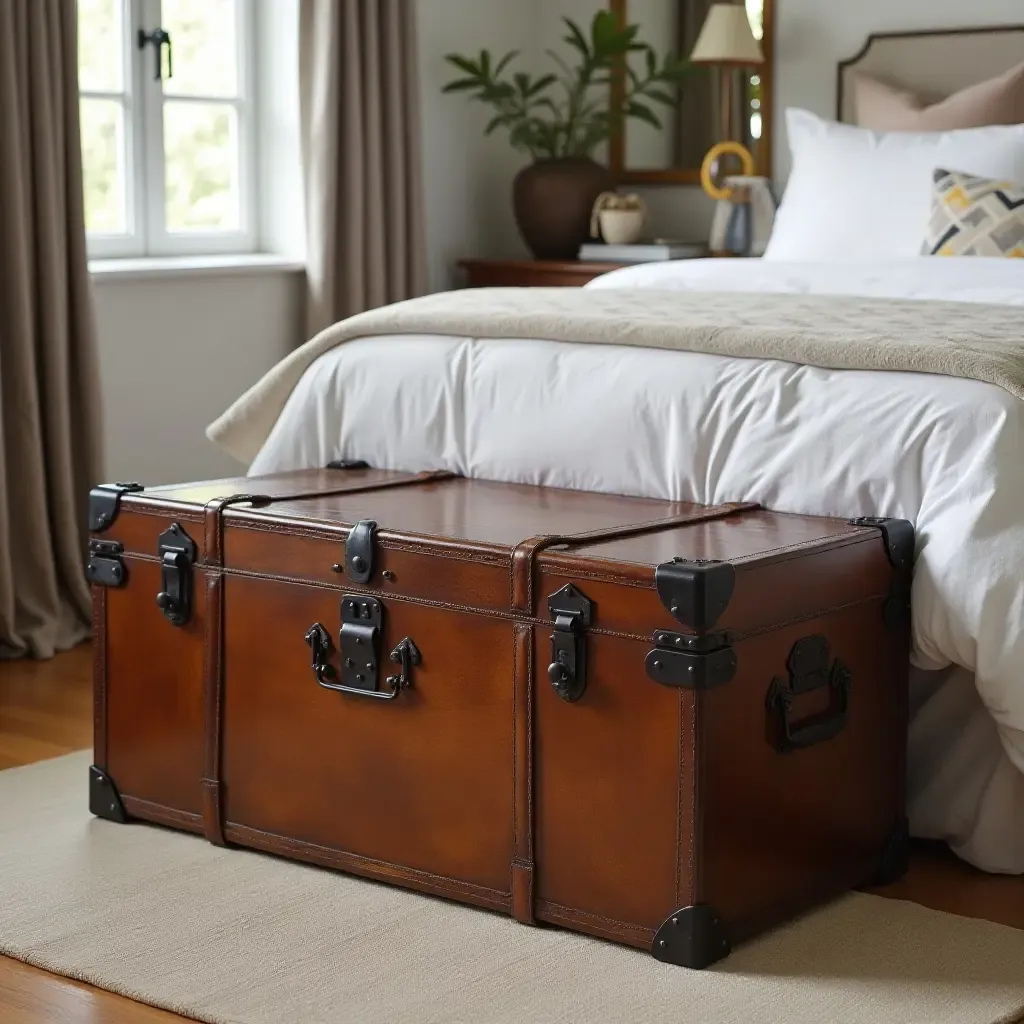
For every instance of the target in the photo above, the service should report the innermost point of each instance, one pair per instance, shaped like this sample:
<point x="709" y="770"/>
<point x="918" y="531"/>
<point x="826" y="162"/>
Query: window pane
<point x="100" y="45"/>
<point x="204" y="38"/>
<point x="201" y="149"/>
<point x="103" y="166"/>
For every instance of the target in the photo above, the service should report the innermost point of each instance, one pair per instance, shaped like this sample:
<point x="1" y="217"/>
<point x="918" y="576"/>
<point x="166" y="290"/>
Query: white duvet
<point x="943" y="452"/>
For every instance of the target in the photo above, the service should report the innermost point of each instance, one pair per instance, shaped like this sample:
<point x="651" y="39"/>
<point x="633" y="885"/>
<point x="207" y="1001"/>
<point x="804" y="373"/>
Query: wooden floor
<point x="45" y="711"/>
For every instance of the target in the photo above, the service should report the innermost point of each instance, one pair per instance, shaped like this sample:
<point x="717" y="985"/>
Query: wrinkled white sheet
<point x="943" y="452"/>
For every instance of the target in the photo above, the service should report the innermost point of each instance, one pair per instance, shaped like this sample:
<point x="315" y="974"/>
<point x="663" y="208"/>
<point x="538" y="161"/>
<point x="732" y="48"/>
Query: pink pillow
<point x="887" y="108"/>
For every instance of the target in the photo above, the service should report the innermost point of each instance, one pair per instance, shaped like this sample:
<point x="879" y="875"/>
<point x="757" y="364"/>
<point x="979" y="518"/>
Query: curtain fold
<point x="360" y="120"/>
<point x="49" y="379"/>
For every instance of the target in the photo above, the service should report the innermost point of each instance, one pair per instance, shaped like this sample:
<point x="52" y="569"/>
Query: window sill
<point x="188" y="266"/>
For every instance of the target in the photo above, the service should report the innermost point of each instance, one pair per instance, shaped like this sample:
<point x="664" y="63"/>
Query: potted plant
<point x="561" y="117"/>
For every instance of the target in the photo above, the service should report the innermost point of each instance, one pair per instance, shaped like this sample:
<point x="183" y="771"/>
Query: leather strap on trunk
<point x="523" y="561"/>
<point x="525" y="553"/>
<point x="213" y="652"/>
<point x="522" y="772"/>
<point x="213" y="660"/>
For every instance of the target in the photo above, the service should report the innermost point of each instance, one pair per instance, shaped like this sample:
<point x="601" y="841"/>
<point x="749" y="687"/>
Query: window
<point x="168" y="127"/>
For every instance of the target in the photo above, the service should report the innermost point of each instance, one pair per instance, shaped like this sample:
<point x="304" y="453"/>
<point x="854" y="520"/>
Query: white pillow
<point x="855" y="194"/>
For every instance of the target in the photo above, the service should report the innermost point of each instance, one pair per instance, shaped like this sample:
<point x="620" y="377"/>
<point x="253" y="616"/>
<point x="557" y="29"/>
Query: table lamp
<point x="727" y="42"/>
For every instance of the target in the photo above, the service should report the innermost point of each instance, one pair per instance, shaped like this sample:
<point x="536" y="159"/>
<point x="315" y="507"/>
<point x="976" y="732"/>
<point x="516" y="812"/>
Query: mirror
<point x="643" y="154"/>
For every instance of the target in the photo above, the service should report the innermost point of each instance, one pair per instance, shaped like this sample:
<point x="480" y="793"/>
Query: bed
<point x="943" y="451"/>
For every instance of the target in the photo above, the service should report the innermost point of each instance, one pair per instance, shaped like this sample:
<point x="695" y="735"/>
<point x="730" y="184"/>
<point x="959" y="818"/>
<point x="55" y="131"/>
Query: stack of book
<point x="642" y="253"/>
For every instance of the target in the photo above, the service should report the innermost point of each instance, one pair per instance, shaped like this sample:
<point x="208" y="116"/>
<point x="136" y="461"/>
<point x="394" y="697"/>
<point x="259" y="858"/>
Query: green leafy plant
<point x="571" y="112"/>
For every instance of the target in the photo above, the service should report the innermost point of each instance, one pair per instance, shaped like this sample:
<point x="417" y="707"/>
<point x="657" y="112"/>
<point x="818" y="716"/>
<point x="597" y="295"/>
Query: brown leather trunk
<point x="656" y="722"/>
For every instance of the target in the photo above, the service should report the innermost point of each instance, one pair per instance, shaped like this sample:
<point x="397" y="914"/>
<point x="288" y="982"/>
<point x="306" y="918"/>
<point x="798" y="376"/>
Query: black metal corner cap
<point x="696" y="592"/>
<point x="898" y="535"/>
<point x="104" y="503"/>
<point x="693" y="937"/>
<point x="104" y="799"/>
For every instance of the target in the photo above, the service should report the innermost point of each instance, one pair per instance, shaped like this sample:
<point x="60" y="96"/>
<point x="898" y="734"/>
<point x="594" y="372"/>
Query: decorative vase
<point x="553" y="199"/>
<point x="621" y="227"/>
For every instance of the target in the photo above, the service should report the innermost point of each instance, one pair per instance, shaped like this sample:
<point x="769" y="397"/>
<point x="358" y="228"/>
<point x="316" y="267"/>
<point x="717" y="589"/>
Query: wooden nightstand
<point x="532" y="273"/>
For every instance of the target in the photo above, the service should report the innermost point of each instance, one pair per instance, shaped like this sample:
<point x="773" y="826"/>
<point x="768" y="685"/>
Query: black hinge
<point x="571" y="611"/>
<point x="359" y="551"/>
<point x="104" y="502"/>
<point x="361" y="621"/>
<point x="692" y="662"/>
<point x="105" y="565"/>
<point x="696" y="591"/>
<point x="177" y="552"/>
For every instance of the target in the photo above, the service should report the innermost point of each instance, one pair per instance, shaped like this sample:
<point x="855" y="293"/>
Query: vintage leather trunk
<point x="660" y="723"/>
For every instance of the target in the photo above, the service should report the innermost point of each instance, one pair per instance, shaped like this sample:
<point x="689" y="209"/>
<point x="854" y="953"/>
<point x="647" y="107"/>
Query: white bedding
<point x="944" y="452"/>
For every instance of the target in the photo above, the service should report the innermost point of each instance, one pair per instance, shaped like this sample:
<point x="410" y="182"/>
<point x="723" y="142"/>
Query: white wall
<point x="175" y="351"/>
<point x="467" y="178"/>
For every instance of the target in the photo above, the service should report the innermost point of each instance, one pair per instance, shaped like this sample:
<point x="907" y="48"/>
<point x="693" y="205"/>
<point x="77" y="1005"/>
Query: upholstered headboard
<point x="933" y="64"/>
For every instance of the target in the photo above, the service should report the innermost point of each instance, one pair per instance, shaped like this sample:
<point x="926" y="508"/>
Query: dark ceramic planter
<point x="553" y="200"/>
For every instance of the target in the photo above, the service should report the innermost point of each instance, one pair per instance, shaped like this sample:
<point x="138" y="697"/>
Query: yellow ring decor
<point x="721" y="149"/>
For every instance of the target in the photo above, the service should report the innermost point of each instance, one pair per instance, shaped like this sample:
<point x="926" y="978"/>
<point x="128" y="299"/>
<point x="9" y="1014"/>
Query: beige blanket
<point x="979" y="342"/>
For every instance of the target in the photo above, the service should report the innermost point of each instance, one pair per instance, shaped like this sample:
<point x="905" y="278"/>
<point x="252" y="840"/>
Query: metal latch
<point x="361" y="620"/>
<point x="105" y="566"/>
<point x="571" y="611"/>
<point x="359" y="551"/>
<point x="177" y="551"/>
<point x="692" y="662"/>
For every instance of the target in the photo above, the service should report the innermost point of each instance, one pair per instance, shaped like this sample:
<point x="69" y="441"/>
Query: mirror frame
<point x="691" y="175"/>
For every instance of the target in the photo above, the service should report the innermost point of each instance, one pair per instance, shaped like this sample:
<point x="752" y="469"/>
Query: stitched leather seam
<point x="817" y="613"/>
<point x="334" y="535"/>
<point x="599" y="577"/>
<point x="138" y="808"/>
<point x="498" y="613"/>
<point x="851" y="536"/>
<point x="166" y="513"/>
<point x="275" y="842"/>
<point x="569" y="913"/>
<point x="388" y="595"/>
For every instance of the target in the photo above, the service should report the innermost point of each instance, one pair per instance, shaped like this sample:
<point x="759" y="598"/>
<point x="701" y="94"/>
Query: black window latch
<point x="158" y="38"/>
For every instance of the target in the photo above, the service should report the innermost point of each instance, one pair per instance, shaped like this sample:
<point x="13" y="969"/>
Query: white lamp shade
<point x="726" y="38"/>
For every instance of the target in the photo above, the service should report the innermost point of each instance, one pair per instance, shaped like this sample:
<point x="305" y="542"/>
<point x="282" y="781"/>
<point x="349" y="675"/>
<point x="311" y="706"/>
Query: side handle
<point x="809" y="670"/>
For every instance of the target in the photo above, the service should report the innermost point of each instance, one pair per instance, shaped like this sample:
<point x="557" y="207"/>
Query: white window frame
<point x="142" y="101"/>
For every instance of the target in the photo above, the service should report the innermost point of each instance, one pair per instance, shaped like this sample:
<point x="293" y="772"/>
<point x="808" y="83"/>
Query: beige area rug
<point x="226" y="935"/>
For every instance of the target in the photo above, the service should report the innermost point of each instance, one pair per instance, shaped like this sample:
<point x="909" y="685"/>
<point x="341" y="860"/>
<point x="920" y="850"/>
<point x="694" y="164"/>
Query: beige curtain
<point x="361" y="155"/>
<point x="49" y="431"/>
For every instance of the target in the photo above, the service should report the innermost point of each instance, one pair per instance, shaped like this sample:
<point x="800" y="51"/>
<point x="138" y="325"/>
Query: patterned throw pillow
<point x="974" y="216"/>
